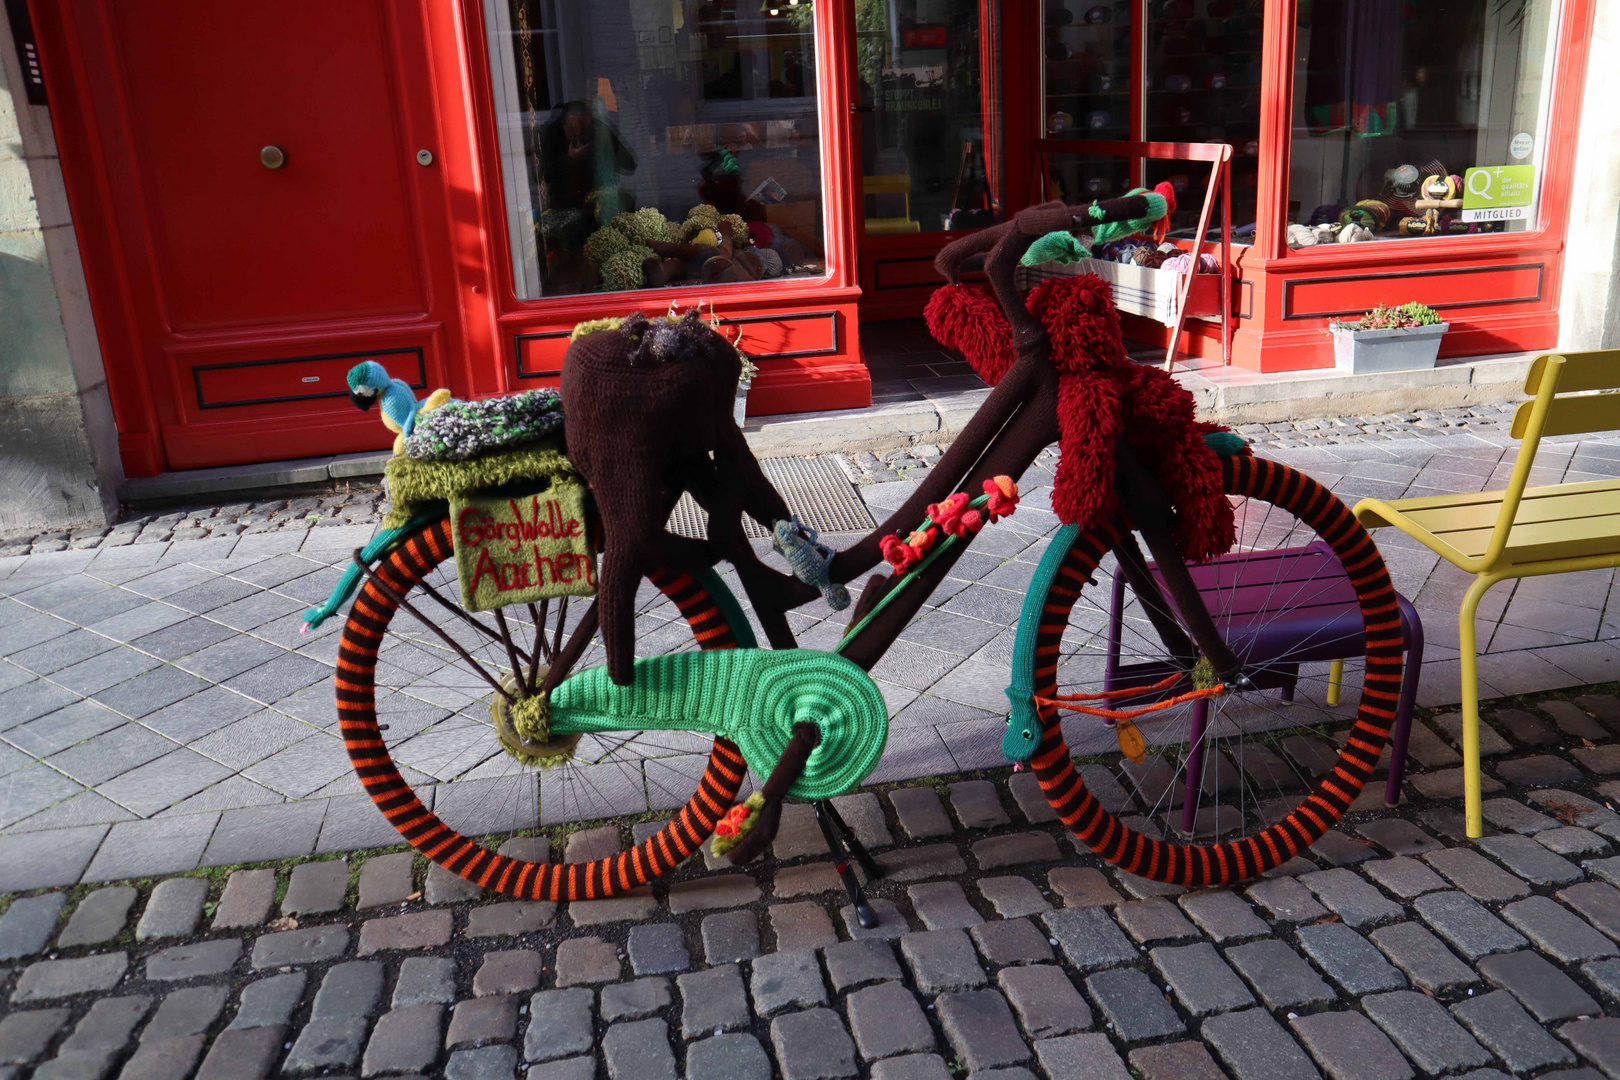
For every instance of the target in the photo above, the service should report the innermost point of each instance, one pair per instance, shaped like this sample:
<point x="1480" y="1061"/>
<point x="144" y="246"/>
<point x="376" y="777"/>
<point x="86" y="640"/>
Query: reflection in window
<point x="1203" y="85"/>
<point x="1088" y="93"/>
<point x="930" y="115"/>
<point x="657" y="142"/>
<point x="1400" y="108"/>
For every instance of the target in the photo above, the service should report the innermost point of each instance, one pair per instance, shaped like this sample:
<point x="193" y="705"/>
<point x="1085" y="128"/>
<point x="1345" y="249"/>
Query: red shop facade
<point x="266" y="195"/>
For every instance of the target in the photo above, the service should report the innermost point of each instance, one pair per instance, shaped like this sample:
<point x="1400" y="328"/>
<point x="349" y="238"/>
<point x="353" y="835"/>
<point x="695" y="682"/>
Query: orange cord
<point x="1071" y="702"/>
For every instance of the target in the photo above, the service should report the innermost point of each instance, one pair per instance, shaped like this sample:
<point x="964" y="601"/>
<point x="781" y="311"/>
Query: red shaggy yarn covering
<point x="1101" y="396"/>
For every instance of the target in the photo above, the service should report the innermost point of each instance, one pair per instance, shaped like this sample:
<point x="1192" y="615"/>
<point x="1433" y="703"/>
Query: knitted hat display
<point x="1102" y="397"/>
<point x="647" y="413"/>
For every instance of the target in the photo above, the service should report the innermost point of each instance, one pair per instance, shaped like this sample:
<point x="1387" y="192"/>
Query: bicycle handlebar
<point x="1033" y="223"/>
<point x="1001" y="246"/>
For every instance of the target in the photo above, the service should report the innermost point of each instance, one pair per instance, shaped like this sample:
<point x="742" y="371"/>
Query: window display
<point x="1203" y="85"/>
<point x="1088" y="92"/>
<point x="1417" y="119"/>
<point x="648" y="143"/>
<point x="930" y="139"/>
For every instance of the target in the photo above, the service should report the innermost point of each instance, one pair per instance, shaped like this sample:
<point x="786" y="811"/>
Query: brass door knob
<point x="272" y="157"/>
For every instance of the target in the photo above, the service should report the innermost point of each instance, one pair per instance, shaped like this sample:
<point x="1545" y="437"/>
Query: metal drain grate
<point x="815" y="488"/>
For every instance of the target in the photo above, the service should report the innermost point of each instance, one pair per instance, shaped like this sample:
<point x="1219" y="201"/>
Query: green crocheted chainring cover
<point x="751" y="696"/>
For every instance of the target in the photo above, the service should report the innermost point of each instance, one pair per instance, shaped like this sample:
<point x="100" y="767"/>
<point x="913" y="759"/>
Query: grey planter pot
<point x="740" y="409"/>
<point x="1406" y="348"/>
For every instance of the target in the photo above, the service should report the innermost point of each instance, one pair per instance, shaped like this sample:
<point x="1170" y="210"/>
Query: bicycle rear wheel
<point x="1303" y="586"/>
<point x="432" y="686"/>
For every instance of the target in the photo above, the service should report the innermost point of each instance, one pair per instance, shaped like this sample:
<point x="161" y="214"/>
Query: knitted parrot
<point x="370" y="382"/>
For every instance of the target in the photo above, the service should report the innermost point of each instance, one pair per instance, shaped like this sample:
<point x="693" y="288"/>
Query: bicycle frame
<point x="1014" y="424"/>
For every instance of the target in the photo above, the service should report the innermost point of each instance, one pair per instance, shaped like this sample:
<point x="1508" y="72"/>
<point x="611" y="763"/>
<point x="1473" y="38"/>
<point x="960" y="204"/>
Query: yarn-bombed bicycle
<point x="1134" y="639"/>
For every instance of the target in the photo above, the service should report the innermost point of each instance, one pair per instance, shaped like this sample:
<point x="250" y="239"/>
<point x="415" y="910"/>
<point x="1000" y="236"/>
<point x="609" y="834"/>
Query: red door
<point x="279" y="203"/>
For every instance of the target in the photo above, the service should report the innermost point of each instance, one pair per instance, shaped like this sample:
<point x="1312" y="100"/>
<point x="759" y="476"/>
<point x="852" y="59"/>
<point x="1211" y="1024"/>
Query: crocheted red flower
<point x="922" y="539"/>
<point x="954" y="517"/>
<point x="1003" y="497"/>
<point x="728" y="825"/>
<point x="899" y="554"/>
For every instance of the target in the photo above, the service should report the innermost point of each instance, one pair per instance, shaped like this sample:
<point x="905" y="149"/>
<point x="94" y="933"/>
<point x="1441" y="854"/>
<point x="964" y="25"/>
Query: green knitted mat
<point x="412" y="484"/>
<point x="751" y="696"/>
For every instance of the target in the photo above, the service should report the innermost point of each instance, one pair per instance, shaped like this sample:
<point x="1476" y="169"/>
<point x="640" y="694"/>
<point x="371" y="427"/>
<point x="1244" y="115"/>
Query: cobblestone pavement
<point x="159" y="710"/>
<point x="1395" y="949"/>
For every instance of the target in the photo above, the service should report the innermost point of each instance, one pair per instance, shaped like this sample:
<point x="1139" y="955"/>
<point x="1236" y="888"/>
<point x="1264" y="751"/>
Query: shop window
<point x="1417" y="119"/>
<point x="926" y="92"/>
<point x="1088" y="92"/>
<point x="651" y="143"/>
<point x="1202" y="84"/>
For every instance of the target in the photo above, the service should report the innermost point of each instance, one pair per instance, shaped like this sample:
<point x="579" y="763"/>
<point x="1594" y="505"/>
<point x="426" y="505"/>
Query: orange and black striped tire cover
<point x="368" y="621"/>
<point x="1220" y="863"/>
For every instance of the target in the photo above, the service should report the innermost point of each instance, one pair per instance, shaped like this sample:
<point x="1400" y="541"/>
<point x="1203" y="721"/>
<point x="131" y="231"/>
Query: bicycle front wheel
<point x="416" y="678"/>
<point x="1235" y="784"/>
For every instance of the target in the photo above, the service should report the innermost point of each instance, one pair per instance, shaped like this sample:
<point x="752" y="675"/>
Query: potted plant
<point x="1405" y="338"/>
<point x="747" y="380"/>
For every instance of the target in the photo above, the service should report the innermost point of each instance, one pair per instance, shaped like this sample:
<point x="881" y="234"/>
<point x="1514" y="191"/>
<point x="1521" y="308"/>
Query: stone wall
<point x="59" y="463"/>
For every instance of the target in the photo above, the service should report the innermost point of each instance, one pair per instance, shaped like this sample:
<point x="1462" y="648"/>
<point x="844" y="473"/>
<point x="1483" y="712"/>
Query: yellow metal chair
<point x="897" y="184"/>
<point x="1522" y="531"/>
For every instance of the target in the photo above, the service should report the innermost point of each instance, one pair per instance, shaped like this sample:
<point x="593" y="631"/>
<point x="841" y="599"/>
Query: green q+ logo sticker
<point x="1499" y="193"/>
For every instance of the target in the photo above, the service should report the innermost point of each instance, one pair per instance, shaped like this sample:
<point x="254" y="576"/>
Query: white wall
<point x="1589" y="304"/>
<point x="59" y="462"/>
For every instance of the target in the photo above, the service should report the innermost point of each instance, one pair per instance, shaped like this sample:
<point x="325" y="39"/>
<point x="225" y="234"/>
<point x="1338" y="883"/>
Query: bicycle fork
<point x="1148" y="509"/>
<point x="843" y="844"/>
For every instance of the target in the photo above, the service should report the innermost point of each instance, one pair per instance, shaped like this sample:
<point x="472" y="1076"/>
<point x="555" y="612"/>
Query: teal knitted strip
<point x="726" y="601"/>
<point x="1024" y="723"/>
<point x="751" y="696"/>
<point x="380" y="545"/>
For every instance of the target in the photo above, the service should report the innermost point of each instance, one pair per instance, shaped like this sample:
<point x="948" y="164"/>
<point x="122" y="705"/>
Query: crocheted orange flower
<point x="1003" y="497"/>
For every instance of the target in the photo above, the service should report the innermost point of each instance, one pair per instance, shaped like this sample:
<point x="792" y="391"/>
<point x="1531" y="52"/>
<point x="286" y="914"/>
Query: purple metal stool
<point x="1277" y="609"/>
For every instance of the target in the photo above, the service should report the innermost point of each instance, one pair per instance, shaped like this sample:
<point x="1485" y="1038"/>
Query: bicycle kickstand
<point x="843" y="845"/>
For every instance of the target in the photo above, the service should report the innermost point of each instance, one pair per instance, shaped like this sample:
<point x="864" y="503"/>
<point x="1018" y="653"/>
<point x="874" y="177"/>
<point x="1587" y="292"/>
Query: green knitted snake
<point x="751" y="696"/>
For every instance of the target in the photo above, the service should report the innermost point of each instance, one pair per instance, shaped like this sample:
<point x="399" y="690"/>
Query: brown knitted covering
<point x="645" y="405"/>
<point x="805" y="738"/>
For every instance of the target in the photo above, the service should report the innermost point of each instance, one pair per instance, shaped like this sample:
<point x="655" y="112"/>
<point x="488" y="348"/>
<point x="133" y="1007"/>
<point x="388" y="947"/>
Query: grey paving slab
<point x="263" y="833"/>
<point x="160" y="846"/>
<point x="45" y="859"/>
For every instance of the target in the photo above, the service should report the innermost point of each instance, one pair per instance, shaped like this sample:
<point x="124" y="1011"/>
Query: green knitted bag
<point x="751" y="696"/>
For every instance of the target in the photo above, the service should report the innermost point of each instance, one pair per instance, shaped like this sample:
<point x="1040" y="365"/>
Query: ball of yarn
<point x="643" y="226"/>
<point x="604" y="243"/>
<point x="622" y="269"/>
